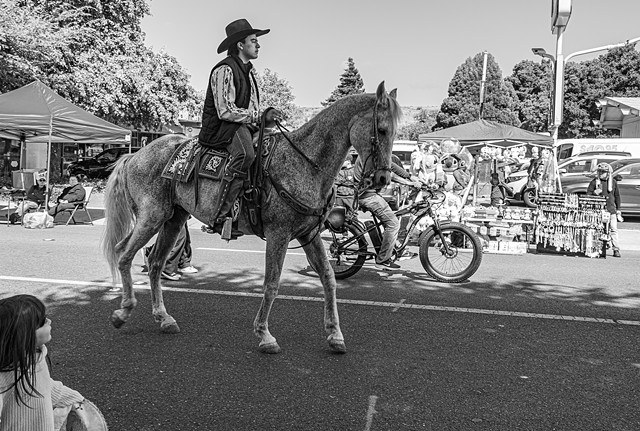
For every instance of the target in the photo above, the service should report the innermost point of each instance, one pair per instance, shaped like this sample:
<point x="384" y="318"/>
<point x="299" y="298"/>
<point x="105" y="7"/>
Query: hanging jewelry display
<point x="570" y="223"/>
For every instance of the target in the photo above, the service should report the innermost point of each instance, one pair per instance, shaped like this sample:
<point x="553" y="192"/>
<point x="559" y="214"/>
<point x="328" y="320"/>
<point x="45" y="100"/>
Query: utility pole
<point x="483" y="82"/>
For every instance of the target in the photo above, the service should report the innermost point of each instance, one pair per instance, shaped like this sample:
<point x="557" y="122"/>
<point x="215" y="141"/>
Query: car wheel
<point x="529" y="198"/>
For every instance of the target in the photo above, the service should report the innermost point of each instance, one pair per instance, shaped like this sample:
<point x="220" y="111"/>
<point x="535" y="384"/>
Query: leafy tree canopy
<point x="276" y="92"/>
<point x="533" y="85"/>
<point x="463" y="102"/>
<point x="93" y="54"/>
<point x="350" y="83"/>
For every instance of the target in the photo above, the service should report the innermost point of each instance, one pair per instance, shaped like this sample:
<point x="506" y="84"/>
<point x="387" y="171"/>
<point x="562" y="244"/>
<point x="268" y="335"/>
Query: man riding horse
<point x="232" y="113"/>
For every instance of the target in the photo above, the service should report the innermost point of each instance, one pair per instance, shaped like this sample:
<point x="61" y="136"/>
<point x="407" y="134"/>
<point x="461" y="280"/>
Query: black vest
<point x="217" y="132"/>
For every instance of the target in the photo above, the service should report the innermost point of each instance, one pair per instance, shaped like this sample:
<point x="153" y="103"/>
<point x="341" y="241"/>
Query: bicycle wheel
<point x="346" y="260"/>
<point x="462" y="259"/>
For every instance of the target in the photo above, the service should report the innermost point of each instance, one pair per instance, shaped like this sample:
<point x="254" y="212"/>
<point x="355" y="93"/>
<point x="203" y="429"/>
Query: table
<point x="495" y="227"/>
<point x="12" y="195"/>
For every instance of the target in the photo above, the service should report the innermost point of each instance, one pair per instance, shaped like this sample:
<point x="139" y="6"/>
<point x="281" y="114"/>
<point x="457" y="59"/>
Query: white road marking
<point x="370" y="412"/>
<point x="402" y="301"/>
<point x="393" y="305"/>
<point x="245" y="251"/>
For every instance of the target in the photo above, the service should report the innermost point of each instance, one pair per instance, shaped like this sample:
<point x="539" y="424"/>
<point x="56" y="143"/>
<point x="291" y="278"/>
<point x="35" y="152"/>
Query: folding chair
<point x="81" y="206"/>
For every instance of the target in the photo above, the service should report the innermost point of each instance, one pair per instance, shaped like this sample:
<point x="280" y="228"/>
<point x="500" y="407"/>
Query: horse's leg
<point x="318" y="257"/>
<point x="275" y="254"/>
<point x="142" y="232"/>
<point x="161" y="249"/>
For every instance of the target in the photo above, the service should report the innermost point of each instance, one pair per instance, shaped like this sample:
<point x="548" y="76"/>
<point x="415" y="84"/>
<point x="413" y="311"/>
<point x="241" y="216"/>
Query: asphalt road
<point x="530" y="342"/>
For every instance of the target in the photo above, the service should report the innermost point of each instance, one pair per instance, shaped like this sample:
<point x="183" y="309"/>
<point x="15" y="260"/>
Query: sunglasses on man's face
<point x="42" y="181"/>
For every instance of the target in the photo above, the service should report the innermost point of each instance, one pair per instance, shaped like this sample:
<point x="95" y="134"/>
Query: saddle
<point x="192" y="161"/>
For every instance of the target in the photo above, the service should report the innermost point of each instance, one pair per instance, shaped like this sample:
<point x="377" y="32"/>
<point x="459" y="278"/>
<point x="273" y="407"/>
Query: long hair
<point x="20" y="317"/>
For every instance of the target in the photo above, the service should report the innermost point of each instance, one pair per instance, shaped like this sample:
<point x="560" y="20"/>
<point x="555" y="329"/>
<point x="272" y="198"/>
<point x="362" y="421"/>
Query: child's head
<point x="24" y="328"/>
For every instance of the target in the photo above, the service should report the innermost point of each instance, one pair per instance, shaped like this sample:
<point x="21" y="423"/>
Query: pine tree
<point x="463" y="104"/>
<point x="350" y="83"/>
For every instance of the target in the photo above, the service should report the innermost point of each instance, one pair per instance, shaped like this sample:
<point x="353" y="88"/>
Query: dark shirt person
<point x="36" y="196"/>
<point x="606" y="186"/>
<point x="70" y="197"/>
<point x="231" y="112"/>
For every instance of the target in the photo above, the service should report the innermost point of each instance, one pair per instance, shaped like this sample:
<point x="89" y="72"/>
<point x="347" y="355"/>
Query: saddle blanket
<point x="182" y="163"/>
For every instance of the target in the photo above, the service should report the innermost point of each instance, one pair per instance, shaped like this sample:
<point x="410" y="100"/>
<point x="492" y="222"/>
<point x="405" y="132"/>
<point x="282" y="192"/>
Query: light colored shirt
<point x="224" y="96"/>
<point x="37" y="415"/>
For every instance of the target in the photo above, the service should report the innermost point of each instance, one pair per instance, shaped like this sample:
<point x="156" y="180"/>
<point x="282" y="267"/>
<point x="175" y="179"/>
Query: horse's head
<point x="372" y="135"/>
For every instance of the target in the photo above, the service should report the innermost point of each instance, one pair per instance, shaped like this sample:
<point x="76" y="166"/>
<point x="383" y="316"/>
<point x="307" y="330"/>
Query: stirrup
<point x="224" y="227"/>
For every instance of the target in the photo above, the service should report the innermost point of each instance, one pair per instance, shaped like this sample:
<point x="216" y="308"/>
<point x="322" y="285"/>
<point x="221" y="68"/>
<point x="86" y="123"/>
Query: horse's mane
<point x="363" y="101"/>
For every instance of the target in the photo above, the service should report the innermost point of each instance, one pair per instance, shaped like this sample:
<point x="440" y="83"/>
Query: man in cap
<point x="232" y="111"/>
<point x="606" y="186"/>
<point x="36" y="196"/>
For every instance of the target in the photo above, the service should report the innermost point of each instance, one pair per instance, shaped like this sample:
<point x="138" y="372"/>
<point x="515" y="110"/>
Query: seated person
<point x="345" y="185"/>
<point x="70" y="196"/>
<point x="36" y="196"/>
<point x="500" y="191"/>
<point x="371" y="200"/>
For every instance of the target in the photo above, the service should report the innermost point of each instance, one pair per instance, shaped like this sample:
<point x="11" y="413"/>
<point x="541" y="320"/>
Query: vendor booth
<point x="37" y="117"/>
<point x="495" y="149"/>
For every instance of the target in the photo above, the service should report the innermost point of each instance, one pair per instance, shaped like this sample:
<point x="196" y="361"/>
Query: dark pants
<point x="241" y="151"/>
<point x="180" y="256"/>
<point x="61" y="207"/>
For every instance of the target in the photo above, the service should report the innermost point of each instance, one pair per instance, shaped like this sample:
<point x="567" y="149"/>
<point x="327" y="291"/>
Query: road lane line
<point x="402" y="301"/>
<point x="392" y="305"/>
<point x="245" y="251"/>
<point x="370" y="412"/>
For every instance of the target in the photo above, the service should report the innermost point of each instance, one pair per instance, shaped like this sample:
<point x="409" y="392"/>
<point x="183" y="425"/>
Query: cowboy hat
<point x="237" y="31"/>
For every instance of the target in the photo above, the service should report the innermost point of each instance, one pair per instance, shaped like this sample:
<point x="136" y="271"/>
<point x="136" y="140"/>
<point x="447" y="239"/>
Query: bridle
<point x="366" y="181"/>
<point x="375" y="144"/>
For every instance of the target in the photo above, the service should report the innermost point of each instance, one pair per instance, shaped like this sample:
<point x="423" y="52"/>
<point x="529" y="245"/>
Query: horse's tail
<point x="118" y="214"/>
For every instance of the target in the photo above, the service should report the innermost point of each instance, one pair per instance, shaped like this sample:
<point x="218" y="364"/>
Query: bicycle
<point x="449" y="251"/>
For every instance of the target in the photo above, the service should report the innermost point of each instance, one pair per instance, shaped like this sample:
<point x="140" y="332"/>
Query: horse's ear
<point x="381" y="94"/>
<point x="393" y="93"/>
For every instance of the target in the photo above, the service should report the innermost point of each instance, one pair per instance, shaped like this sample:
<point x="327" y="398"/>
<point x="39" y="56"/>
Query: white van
<point x="571" y="147"/>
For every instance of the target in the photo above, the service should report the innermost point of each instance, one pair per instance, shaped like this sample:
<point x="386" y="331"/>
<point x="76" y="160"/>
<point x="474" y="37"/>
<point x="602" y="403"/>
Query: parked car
<point x="583" y="164"/>
<point x="101" y="165"/>
<point x="576" y="166"/>
<point x="628" y="172"/>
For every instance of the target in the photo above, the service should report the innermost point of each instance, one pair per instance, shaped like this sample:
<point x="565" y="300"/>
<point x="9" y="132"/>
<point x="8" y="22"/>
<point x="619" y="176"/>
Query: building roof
<point x="614" y="110"/>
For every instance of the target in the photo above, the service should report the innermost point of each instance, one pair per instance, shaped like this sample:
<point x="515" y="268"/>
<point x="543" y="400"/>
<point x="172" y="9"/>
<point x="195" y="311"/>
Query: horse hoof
<point x="270" y="348"/>
<point x="171" y="328"/>
<point x="117" y="321"/>
<point x="337" y="346"/>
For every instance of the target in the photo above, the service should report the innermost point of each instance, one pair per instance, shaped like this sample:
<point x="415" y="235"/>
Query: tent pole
<point x="475" y="181"/>
<point x="46" y="192"/>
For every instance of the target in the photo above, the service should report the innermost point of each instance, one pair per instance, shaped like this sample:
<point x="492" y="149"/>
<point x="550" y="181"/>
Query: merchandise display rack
<point x="571" y="224"/>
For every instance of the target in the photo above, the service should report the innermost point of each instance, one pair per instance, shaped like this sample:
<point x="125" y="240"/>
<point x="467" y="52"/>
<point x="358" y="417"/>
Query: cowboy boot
<point x="232" y="186"/>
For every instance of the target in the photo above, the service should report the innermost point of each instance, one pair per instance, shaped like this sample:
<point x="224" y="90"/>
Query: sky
<point x="413" y="45"/>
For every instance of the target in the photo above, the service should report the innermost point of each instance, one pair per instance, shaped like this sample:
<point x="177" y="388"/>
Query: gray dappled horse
<point x="139" y="203"/>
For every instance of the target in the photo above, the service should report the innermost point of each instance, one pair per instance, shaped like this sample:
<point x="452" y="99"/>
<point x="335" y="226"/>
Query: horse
<point x="304" y="162"/>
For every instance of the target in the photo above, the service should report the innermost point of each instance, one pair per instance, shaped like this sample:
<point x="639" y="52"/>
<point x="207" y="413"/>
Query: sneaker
<point x="616" y="253"/>
<point x="188" y="270"/>
<point x="406" y="255"/>
<point x="174" y="276"/>
<point x="387" y="265"/>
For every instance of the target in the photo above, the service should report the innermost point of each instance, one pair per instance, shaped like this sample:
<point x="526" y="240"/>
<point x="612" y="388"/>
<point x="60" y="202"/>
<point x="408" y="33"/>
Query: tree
<point x="463" y="104"/>
<point x="32" y="43"/>
<point x="423" y="122"/>
<point x="95" y="57"/>
<point x="350" y="83"/>
<point x="533" y="85"/>
<point x="615" y="73"/>
<point x="276" y="92"/>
